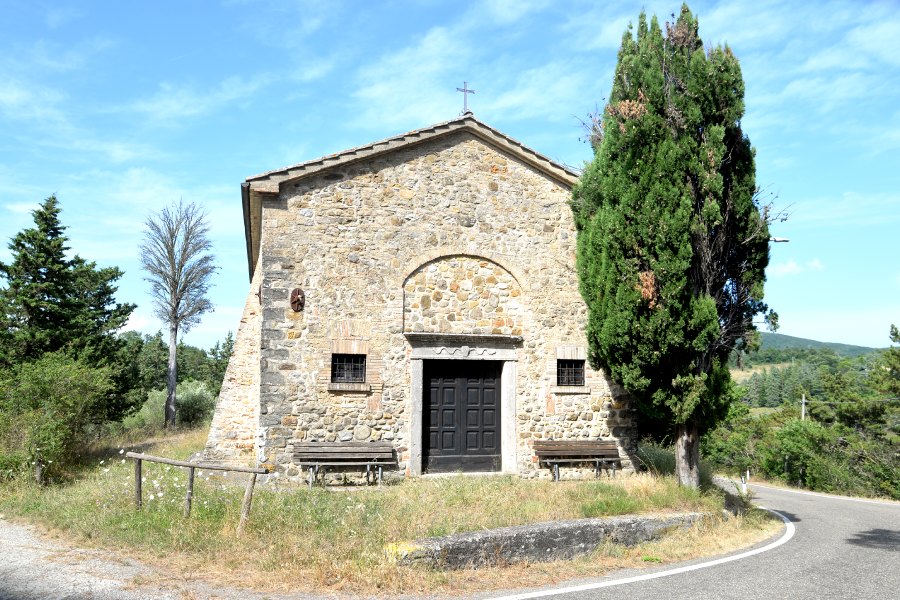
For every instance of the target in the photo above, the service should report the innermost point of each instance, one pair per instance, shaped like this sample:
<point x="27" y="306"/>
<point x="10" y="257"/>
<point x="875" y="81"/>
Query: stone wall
<point x="235" y="423"/>
<point x="464" y="295"/>
<point x="449" y="236"/>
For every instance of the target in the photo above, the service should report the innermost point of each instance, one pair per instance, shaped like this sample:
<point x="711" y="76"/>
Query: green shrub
<point x="48" y="406"/>
<point x="660" y="460"/>
<point x="194" y="403"/>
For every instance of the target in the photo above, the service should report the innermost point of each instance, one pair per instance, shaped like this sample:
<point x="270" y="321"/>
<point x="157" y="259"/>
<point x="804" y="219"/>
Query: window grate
<point x="348" y="368"/>
<point x="570" y="372"/>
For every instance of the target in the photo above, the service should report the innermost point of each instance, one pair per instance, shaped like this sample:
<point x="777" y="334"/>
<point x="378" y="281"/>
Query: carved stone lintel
<point x="463" y="347"/>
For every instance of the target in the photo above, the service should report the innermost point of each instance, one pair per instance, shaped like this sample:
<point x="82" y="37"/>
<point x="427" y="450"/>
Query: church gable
<point x="283" y="182"/>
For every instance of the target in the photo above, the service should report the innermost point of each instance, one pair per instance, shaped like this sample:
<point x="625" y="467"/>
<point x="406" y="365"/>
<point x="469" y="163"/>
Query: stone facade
<point x="233" y="431"/>
<point x="458" y="246"/>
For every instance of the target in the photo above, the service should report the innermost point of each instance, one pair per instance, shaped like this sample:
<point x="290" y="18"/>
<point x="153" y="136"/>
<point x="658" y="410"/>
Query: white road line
<point x="788" y="534"/>
<point x="830" y="496"/>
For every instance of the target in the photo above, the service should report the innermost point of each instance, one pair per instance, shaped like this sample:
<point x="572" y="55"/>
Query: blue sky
<point x="121" y="108"/>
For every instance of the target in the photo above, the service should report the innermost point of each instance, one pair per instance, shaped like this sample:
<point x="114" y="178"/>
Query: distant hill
<point x="778" y="341"/>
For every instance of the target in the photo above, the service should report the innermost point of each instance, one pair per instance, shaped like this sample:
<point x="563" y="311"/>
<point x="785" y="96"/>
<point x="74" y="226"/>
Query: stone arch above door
<point x="463" y="294"/>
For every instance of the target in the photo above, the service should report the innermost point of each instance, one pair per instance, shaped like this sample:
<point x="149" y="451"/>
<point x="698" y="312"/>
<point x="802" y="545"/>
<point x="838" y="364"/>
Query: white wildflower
<point x="121" y="450"/>
<point x="150" y="497"/>
<point x="106" y="470"/>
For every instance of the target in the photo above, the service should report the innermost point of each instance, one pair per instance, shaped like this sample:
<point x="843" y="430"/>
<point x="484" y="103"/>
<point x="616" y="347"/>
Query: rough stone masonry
<point x="451" y="243"/>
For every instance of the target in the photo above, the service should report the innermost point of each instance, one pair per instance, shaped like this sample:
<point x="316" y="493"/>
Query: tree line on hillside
<point x="66" y="373"/>
<point x="848" y="440"/>
<point x="818" y="374"/>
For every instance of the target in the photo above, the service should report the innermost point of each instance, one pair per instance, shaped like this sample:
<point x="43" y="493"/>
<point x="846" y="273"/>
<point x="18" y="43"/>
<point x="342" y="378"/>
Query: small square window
<point x="569" y="372"/>
<point x="348" y="368"/>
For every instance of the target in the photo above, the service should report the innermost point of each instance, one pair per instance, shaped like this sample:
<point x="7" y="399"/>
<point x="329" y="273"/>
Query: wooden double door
<point x="461" y="415"/>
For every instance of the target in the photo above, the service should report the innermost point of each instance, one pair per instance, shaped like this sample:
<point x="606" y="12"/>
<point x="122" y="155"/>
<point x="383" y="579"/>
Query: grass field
<point x="334" y="539"/>
<point x="742" y="375"/>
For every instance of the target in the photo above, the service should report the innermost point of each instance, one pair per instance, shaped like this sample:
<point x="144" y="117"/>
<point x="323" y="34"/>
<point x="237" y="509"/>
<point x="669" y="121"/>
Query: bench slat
<point x="344" y="457"/>
<point x="553" y="445"/>
<point x="577" y="453"/>
<point x="344" y="451"/>
<point x="342" y="464"/>
<point x="577" y="460"/>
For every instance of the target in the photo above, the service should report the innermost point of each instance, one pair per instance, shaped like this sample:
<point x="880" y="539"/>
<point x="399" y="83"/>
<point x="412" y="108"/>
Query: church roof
<point x="270" y="182"/>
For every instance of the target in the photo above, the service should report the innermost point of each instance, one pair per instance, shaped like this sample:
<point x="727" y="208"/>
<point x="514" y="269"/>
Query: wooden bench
<point x="602" y="453"/>
<point x="320" y="456"/>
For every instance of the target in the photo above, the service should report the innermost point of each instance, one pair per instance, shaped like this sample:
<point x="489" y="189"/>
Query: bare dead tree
<point x="176" y="255"/>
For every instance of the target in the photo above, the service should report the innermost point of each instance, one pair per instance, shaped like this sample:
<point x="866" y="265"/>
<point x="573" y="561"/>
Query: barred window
<point x="569" y="372"/>
<point x="348" y="368"/>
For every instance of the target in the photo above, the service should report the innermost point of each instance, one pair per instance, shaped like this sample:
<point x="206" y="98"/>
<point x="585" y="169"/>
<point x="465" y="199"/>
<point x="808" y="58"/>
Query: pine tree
<point x="55" y="303"/>
<point x="52" y="303"/>
<point x="672" y="242"/>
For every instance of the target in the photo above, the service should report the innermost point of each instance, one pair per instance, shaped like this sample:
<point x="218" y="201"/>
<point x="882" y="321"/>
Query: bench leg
<point x="555" y="471"/>
<point x="368" y="473"/>
<point x="311" y="477"/>
<point x="380" y="474"/>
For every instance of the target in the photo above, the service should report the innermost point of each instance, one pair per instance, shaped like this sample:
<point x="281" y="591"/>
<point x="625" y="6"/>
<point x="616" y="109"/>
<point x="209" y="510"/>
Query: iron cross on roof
<point x="465" y="91"/>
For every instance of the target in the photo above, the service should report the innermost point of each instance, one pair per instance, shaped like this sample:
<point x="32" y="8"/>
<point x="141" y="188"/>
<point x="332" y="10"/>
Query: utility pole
<point x="803" y="408"/>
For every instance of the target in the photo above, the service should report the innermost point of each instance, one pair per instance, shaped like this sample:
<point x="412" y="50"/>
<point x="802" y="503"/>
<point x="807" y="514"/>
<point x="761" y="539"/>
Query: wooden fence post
<point x="245" y="507"/>
<point x="190" y="493"/>
<point x="137" y="483"/>
<point x="191" y="466"/>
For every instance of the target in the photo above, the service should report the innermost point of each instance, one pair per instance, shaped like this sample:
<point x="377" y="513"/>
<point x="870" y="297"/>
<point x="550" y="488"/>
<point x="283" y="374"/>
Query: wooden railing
<point x="191" y="467"/>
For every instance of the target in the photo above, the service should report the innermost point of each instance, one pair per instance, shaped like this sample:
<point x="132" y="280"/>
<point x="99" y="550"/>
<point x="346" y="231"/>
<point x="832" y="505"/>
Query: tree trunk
<point x="687" y="454"/>
<point x="172" y="378"/>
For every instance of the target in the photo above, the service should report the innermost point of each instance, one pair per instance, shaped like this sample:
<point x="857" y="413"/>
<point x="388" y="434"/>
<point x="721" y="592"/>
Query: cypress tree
<point x="672" y="242"/>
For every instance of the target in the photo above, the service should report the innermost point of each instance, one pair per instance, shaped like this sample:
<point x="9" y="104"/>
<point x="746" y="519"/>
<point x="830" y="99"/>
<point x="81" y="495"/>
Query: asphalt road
<point x="841" y="548"/>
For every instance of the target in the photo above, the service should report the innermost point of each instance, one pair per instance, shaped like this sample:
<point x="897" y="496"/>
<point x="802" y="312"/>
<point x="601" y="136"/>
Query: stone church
<point x="420" y="290"/>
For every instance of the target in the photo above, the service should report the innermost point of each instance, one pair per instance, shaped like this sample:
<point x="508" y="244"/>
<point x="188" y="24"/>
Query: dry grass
<point x="742" y="375"/>
<point x="333" y="540"/>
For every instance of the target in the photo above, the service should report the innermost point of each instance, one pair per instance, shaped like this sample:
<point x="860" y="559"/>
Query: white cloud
<point x="792" y="267"/>
<point x="410" y="87"/>
<point x="21" y="101"/>
<point x="540" y="92"/>
<point x="138" y="321"/>
<point x="54" y="57"/>
<point x="21" y="207"/>
<point x="878" y="40"/>
<point x="850" y="208"/>
<point x="287" y="24"/>
<point x="172" y="102"/>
